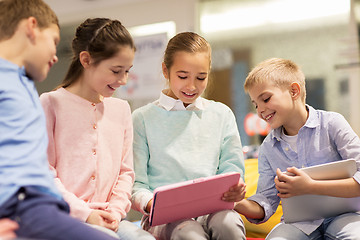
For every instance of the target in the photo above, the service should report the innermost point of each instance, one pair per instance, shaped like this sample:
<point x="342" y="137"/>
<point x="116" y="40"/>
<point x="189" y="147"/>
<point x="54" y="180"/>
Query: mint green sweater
<point x="174" y="146"/>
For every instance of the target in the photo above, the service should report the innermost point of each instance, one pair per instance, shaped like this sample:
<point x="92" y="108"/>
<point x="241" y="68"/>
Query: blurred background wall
<point x="322" y="36"/>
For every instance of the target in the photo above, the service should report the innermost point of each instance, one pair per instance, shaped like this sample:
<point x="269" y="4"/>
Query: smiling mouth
<point x="268" y="117"/>
<point x="111" y="87"/>
<point x="189" y="94"/>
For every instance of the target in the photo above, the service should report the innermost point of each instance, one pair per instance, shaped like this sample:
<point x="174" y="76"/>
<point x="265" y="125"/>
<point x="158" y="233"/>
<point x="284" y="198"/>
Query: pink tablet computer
<point x="191" y="198"/>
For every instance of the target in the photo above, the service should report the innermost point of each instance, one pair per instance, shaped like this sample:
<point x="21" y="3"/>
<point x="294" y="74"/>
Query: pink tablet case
<point x="191" y="198"/>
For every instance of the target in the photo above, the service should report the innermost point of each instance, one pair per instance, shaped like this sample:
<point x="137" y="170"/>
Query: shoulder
<point x="220" y="113"/>
<point x="57" y="93"/>
<point x="118" y="103"/>
<point x="146" y="110"/>
<point x="148" y="113"/>
<point x="9" y="75"/>
<point x="48" y="98"/>
<point x="329" y="118"/>
<point x="217" y="107"/>
<point x="117" y="109"/>
<point x="9" y="82"/>
<point x="330" y="123"/>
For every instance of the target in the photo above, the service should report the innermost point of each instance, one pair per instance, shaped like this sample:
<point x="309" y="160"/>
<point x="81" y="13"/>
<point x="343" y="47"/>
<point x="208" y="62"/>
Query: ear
<point x="165" y="71"/>
<point x="295" y="90"/>
<point x="85" y="59"/>
<point x="31" y="25"/>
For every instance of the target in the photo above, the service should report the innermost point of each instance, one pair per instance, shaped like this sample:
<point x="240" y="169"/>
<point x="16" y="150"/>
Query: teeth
<point x="111" y="87"/>
<point x="188" y="94"/>
<point x="268" y="117"/>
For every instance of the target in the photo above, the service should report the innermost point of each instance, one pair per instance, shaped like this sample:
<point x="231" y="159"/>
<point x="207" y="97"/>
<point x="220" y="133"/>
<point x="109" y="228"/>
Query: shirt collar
<point x="312" y="122"/>
<point x="9" y="65"/>
<point x="172" y="104"/>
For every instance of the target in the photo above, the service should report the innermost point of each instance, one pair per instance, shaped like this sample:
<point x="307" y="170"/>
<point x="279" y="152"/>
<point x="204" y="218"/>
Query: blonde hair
<point x="281" y="72"/>
<point x="13" y="11"/>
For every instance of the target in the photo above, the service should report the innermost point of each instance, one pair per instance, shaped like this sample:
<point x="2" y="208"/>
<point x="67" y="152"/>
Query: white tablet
<point x="312" y="207"/>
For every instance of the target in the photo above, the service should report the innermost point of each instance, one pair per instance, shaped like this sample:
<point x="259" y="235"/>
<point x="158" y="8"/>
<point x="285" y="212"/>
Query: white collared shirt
<point x="172" y="104"/>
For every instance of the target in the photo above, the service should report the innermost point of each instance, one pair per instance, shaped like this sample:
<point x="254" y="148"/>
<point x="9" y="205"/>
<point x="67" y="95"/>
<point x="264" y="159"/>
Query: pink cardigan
<point x="90" y="152"/>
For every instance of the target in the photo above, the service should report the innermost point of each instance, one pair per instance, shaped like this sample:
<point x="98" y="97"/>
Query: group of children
<point x="103" y="159"/>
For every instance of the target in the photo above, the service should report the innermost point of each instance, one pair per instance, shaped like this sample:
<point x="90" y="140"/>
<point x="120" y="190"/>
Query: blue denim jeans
<point x="41" y="216"/>
<point x="345" y="226"/>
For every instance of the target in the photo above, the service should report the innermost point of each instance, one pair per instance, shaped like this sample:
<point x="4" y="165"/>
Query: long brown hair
<point x="101" y="38"/>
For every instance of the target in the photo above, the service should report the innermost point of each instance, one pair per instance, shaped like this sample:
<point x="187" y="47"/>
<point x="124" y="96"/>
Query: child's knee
<point x="187" y="230"/>
<point x="226" y="224"/>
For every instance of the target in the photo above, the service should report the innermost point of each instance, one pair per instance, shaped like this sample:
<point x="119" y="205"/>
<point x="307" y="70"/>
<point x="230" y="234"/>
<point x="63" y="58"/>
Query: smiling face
<point x="43" y="55"/>
<point x="274" y="104"/>
<point x="104" y="78"/>
<point x="188" y="76"/>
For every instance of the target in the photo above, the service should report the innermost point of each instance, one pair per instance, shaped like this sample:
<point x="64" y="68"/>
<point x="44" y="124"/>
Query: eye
<point x="201" y="79"/>
<point x="253" y="103"/>
<point x="267" y="99"/>
<point x="182" y="77"/>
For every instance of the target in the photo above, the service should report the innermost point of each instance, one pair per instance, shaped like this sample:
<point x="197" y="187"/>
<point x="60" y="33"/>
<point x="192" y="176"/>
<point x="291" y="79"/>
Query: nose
<point x="122" y="80"/>
<point x="191" y="85"/>
<point x="55" y="59"/>
<point x="260" y="109"/>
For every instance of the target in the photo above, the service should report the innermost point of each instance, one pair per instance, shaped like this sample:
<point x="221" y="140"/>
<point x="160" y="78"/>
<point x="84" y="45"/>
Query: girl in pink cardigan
<point x="90" y="133"/>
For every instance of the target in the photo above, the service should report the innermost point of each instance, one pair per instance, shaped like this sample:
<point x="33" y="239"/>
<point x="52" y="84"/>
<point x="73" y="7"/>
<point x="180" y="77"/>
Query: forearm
<point x="140" y="200"/>
<point x="250" y="209"/>
<point x="336" y="188"/>
<point x="78" y="207"/>
<point x="120" y="198"/>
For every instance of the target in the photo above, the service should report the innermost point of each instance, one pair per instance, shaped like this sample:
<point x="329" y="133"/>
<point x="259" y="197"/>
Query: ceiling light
<point x="271" y="12"/>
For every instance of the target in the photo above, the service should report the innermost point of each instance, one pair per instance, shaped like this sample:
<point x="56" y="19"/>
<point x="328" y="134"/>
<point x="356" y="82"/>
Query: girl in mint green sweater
<point x="183" y="136"/>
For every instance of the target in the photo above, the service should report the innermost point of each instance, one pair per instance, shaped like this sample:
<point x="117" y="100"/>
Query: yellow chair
<point x="251" y="178"/>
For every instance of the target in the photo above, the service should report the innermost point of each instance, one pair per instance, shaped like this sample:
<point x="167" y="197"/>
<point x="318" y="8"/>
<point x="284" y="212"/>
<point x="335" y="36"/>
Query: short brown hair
<point x="13" y="11"/>
<point x="186" y="42"/>
<point x="281" y="72"/>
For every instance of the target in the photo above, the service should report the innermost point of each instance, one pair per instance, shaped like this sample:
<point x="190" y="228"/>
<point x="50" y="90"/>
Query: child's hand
<point x="236" y="193"/>
<point x="293" y="183"/>
<point x="7" y="228"/>
<point x="148" y="206"/>
<point x="104" y="219"/>
<point x="113" y="223"/>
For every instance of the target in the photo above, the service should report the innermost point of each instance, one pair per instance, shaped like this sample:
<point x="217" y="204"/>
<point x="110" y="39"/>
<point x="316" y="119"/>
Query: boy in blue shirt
<point x="301" y="137"/>
<point x="29" y="33"/>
